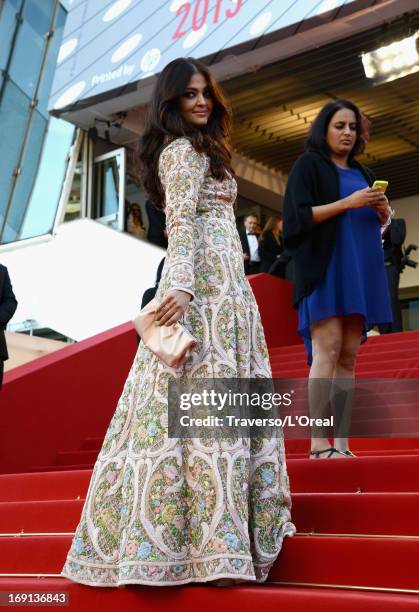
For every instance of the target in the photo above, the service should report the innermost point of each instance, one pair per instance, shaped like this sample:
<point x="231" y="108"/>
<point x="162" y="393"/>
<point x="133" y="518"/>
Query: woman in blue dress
<point x="333" y="222"/>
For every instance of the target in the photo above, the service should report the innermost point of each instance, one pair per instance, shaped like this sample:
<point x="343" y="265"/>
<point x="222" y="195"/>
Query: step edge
<point x="356" y="535"/>
<point x="26" y="534"/>
<point x="347" y="587"/>
<point x="21" y="535"/>
<point x="343" y="586"/>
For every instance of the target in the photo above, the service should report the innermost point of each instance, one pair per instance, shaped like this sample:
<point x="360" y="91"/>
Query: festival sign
<point x="107" y="45"/>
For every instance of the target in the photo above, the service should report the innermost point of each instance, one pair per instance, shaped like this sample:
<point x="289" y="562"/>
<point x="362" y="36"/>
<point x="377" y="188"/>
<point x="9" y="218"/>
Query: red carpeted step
<point x="381" y="346"/>
<point x="362" y="561"/>
<point x="368" y="385"/>
<point x="389" y="404"/>
<point x="387" y="453"/>
<point x="400" y="363"/>
<point x="92" y="444"/>
<point x="391" y="340"/>
<point x="372" y="343"/>
<point x="58" y="515"/>
<point x="371" y="474"/>
<point x="44" y="485"/>
<point x="386" y="426"/>
<point x="384" y="364"/>
<point x="393" y="372"/>
<point x="401" y="410"/>
<point x="82" y="457"/>
<point x="297" y="445"/>
<point x="386" y="443"/>
<point x="398" y="336"/>
<point x="31" y="554"/>
<point x="383" y="404"/>
<point x="366" y="423"/>
<point x="373" y="453"/>
<point x="319" y="512"/>
<point x="243" y="598"/>
<point x="394" y="513"/>
<point x="373" y="356"/>
<point x="61" y="468"/>
<point x="398" y="473"/>
<point x="303" y="445"/>
<point x="362" y="366"/>
<point x="396" y="373"/>
<point x="388" y="355"/>
<point x="295" y="373"/>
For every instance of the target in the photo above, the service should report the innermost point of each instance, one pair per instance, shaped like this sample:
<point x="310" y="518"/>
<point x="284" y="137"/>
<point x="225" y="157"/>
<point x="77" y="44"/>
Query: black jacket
<point x="269" y="249"/>
<point x="313" y="181"/>
<point x="8" y="305"/>
<point x="393" y="242"/>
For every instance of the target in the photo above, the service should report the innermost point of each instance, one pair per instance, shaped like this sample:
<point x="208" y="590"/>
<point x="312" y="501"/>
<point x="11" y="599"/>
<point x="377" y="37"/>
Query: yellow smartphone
<point x="381" y="184"/>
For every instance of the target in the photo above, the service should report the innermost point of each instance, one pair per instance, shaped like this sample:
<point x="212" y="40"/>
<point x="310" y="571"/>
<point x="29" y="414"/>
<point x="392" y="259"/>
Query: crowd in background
<point x="263" y="249"/>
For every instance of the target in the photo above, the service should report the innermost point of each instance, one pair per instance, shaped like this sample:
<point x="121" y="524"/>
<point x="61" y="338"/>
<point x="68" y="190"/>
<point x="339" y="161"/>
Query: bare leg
<point x="343" y="384"/>
<point x="326" y="339"/>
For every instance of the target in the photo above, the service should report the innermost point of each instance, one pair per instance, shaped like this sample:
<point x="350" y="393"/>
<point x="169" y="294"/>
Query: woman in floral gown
<point x="162" y="511"/>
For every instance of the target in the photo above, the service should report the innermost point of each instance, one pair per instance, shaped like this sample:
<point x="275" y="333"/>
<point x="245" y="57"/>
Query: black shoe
<point x="332" y="450"/>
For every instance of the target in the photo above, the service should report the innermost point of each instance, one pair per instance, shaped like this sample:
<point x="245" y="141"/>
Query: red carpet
<point x="269" y="598"/>
<point x="300" y="559"/>
<point x="357" y="546"/>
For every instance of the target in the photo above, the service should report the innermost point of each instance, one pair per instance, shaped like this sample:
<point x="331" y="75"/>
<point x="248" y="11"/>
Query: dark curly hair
<point x="165" y="123"/>
<point x="316" y="140"/>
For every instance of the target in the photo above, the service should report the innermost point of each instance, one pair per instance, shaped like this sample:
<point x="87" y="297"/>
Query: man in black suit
<point x="250" y="244"/>
<point x="8" y="305"/>
<point x="393" y="255"/>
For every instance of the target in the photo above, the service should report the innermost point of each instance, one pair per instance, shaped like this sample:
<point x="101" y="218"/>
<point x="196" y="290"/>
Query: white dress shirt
<point x="253" y="246"/>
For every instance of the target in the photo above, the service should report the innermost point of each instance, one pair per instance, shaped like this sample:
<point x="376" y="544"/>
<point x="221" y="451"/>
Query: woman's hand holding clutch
<point x="173" y="343"/>
<point x="172" y="307"/>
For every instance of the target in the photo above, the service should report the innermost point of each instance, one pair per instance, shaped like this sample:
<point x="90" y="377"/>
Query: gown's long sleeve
<point x="181" y="171"/>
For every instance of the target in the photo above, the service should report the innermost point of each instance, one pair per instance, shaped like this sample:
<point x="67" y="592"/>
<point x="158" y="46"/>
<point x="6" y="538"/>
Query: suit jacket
<point x="245" y="246"/>
<point x="393" y="242"/>
<point x="269" y="249"/>
<point x="8" y="305"/>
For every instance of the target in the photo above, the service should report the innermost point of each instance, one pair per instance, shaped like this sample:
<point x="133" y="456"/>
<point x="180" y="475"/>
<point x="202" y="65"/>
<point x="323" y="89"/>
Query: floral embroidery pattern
<point x="163" y="511"/>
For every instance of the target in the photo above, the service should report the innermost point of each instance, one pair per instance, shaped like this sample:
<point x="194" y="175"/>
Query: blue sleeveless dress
<point x="355" y="281"/>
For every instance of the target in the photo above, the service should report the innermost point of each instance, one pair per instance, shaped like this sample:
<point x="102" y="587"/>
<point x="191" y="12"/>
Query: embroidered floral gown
<point x="163" y="511"/>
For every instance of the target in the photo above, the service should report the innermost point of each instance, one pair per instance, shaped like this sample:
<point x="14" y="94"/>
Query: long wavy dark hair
<point x="316" y="140"/>
<point x="270" y="224"/>
<point x="165" y="123"/>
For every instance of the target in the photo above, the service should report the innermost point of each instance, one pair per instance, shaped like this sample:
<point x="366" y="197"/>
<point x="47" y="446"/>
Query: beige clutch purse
<point x="171" y="344"/>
